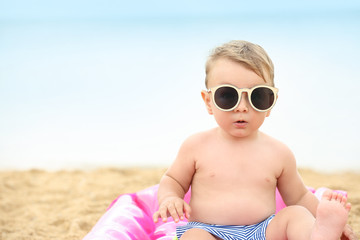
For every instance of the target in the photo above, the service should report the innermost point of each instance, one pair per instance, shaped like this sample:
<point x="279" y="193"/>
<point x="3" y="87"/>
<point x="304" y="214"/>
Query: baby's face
<point x="243" y="120"/>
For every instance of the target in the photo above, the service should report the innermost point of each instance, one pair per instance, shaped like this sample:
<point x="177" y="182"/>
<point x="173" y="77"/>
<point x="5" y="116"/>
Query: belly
<point x="236" y="207"/>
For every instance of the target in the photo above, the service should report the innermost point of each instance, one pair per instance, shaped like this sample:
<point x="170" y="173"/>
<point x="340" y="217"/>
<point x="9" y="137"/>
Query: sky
<point x="20" y="9"/>
<point x="117" y="83"/>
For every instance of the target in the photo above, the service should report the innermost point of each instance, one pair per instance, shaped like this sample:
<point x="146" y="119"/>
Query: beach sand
<point x="38" y="204"/>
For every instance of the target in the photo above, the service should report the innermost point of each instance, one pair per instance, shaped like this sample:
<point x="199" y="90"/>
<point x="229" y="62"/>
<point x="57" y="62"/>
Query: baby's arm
<point x="174" y="185"/>
<point x="291" y="186"/>
<point x="171" y="201"/>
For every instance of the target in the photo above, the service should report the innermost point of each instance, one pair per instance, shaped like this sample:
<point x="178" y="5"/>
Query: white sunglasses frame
<point x="212" y="91"/>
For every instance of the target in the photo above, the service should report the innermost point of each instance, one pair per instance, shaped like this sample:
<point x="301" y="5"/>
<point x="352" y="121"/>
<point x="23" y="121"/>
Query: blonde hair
<point x="250" y="55"/>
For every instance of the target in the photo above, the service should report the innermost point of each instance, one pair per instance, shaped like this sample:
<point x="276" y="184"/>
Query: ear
<point x="268" y="113"/>
<point x="207" y="100"/>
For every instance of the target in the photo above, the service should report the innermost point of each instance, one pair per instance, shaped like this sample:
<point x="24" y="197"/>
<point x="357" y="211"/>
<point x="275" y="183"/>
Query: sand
<point x="38" y="204"/>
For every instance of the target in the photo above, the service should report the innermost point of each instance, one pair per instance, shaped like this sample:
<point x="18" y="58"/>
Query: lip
<point x="240" y="124"/>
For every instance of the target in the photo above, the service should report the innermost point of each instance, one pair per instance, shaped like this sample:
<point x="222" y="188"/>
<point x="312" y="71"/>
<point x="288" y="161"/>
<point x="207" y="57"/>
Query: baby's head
<point x="248" y="54"/>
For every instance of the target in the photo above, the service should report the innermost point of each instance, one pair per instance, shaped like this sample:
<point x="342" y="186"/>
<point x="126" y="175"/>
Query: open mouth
<point x="240" y="121"/>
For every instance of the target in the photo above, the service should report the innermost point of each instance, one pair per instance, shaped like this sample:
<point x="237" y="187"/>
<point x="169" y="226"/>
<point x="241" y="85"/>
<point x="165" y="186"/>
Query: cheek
<point x="221" y="117"/>
<point x="259" y="119"/>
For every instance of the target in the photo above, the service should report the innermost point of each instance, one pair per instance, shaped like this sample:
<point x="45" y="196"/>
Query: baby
<point x="234" y="168"/>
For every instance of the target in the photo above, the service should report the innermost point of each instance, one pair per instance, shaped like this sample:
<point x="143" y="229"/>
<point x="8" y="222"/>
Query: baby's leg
<point x="197" y="234"/>
<point x="293" y="223"/>
<point x="331" y="216"/>
<point x="297" y="223"/>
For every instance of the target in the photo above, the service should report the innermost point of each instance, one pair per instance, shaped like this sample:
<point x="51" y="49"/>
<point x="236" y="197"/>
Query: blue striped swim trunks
<point x="229" y="232"/>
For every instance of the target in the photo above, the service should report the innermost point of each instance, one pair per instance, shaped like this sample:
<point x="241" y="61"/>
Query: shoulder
<point x="200" y="137"/>
<point x="280" y="149"/>
<point x="274" y="143"/>
<point x="198" y="141"/>
<point x="190" y="150"/>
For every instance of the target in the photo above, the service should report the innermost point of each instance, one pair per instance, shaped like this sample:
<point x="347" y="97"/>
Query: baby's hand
<point x="175" y="207"/>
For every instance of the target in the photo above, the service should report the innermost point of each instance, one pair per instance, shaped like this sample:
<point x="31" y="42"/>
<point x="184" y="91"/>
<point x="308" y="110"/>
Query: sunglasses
<point x="227" y="97"/>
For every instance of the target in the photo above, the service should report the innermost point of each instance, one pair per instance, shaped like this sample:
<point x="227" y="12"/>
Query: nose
<point x="243" y="104"/>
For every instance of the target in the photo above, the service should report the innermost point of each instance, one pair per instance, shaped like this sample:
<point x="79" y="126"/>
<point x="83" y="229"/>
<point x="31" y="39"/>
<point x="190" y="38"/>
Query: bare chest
<point x="237" y="169"/>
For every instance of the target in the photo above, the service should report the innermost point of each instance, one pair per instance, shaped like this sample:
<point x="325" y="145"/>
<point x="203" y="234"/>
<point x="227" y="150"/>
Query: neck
<point x="238" y="139"/>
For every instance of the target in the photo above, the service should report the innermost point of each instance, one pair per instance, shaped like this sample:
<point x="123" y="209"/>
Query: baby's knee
<point x="289" y="222"/>
<point x="296" y="211"/>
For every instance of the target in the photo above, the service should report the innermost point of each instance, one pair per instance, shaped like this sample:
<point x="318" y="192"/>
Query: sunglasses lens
<point x="262" y="98"/>
<point x="226" y="97"/>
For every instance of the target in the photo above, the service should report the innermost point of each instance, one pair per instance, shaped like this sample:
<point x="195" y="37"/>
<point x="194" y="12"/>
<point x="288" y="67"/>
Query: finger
<point x="173" y="212"/>
<point x="156" y="217"/>
<point x="187" y="209"/>
<point x="163" y="213"/>
<point x="180" y="209"/>
<point x="348" y="233"/>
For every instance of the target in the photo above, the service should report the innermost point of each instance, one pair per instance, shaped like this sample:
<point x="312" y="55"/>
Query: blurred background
<point x="96" y="83"/>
